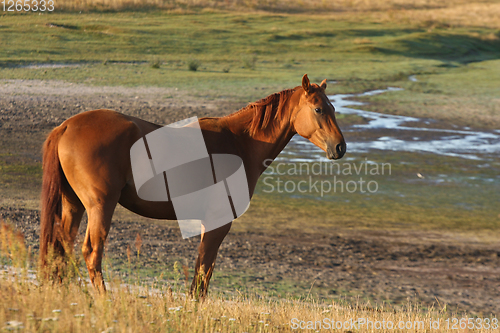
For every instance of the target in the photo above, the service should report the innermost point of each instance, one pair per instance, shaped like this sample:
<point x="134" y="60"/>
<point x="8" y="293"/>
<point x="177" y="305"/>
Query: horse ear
<point x="323" y="84"/>
<point x="306" y="84"/>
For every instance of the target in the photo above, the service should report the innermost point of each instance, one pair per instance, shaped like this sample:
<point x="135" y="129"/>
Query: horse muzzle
<point x="335" y="152"/>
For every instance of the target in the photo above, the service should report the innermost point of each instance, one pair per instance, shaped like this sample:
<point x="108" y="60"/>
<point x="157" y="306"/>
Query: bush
<point x="193" y="65"/>
<point x="155" y="63"/>
<point x="250" y="61"/>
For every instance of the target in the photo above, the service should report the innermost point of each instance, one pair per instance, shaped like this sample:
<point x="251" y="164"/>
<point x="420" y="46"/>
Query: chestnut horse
<point x="87" y="167"/>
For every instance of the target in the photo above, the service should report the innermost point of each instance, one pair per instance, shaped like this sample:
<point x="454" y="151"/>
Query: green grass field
<point x="246" y="56"/>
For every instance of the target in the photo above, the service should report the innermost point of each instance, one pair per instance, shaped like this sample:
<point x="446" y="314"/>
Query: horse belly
<point x="163" y="210"/>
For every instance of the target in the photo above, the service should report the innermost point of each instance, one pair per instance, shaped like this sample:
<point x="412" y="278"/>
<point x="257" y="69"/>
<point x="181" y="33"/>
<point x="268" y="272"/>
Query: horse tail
<point x="51" y="198"/>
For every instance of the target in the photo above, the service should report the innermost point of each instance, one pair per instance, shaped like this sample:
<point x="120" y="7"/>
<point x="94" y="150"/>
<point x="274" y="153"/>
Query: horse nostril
<point x="340" y="149"/>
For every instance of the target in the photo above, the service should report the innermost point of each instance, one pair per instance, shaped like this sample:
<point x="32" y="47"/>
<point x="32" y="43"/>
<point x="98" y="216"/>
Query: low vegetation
<point x="33" y="304"/>
<point x="193" y="65"/>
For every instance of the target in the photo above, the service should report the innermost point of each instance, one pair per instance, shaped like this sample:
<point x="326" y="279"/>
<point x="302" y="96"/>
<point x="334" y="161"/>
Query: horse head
<point x="314" y="119"/>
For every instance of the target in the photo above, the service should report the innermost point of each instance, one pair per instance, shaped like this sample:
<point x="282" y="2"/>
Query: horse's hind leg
<point x="207" y="252"/>
<point x="99" y="222"/>
<point x="71" y="216"/>
<point x="72" y="212"/>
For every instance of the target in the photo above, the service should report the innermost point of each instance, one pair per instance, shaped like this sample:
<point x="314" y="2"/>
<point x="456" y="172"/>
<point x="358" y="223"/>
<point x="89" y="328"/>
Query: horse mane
<point x="265" y="110"/>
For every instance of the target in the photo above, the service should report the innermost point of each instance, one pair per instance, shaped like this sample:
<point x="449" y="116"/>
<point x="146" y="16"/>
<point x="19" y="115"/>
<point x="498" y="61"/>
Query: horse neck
<point x="264" y="145"/>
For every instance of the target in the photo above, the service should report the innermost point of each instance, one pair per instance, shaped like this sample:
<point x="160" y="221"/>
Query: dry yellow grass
<point x="34" y="305"/>
<point x="73" y="308"/>
<point x="484" y="13"/>
<point x="473" y="14"/>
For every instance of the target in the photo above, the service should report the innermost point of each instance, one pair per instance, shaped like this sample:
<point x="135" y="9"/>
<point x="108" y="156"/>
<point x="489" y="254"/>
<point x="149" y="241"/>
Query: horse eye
<point x="318" y="110"/>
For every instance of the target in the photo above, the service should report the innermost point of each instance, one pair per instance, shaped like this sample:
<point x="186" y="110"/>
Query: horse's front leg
<point x="207" y="252"/>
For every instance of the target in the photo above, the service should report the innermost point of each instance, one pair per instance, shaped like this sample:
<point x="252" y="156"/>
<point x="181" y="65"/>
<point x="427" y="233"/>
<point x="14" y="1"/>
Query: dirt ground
<point x="432" y="268"/>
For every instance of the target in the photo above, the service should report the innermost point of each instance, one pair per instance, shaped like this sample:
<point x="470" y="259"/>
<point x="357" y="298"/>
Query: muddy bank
<point x="30" y="109"/>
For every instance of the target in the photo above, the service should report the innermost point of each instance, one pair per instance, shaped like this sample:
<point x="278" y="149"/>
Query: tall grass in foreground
<point x="35" y="305"/>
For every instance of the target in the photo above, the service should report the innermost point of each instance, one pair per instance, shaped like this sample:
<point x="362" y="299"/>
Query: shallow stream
<point x="397" y="133"/>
